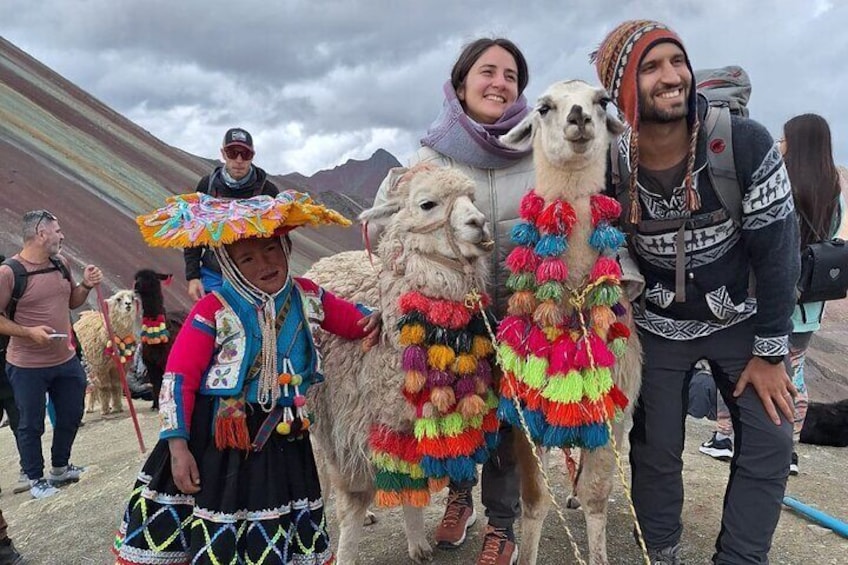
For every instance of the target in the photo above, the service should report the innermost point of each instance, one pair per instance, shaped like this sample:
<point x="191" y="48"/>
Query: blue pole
<point x="818" y="516"/>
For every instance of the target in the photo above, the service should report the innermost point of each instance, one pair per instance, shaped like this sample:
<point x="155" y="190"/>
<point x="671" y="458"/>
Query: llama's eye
<point x="544" y="109"/>
<point x="427" y="205"/>
<point x="604" y="102"/>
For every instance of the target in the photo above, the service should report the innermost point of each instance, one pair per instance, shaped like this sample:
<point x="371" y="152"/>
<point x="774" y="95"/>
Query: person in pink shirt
<point x="233" y="478"/>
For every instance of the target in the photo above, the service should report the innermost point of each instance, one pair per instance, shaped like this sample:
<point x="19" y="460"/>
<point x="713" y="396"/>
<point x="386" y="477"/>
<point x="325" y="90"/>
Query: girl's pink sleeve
<point x="340" y="316"/>
<point x="187" y="363"/>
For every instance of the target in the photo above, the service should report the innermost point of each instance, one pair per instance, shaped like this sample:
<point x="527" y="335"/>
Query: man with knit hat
<point x="696" y="252"/>
<point x="237" y="178"/>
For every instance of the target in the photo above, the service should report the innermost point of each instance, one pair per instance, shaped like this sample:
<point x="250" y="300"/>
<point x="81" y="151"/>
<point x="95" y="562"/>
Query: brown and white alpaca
<point x="96" y="343"/>
<point x="570" y="133"/>
<point x="434" y="242"/>
<point x="159" y="327"/>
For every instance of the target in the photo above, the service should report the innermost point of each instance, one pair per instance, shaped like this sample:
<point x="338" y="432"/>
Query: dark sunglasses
<point x="44" y="215"/>
<point x="236" y="152"/>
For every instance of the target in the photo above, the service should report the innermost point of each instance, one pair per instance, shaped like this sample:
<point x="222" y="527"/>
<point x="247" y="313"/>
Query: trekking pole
<point x="104" y="311"/>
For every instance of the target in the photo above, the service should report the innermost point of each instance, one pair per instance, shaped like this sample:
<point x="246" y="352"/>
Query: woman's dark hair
<point x="472" y="51"/>
<point x="813" y="174"/>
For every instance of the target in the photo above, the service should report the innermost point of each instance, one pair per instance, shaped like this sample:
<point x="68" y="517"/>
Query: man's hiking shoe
<point x="793" y="466"/>
<point x="62" y="475"/>
<point x="22" y="485"/>
<point x="665" y="556"/>
<point x="498" y="547"/>
<point x="721" y="449"/>
<point x="40" y="488"/>
<point x="459" y="516"/>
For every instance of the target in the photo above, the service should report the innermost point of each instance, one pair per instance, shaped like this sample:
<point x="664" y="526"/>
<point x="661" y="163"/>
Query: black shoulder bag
<point x="824" y="269"/>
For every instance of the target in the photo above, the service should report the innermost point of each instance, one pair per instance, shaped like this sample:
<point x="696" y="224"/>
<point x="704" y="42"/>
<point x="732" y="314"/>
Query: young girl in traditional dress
<point x="233" y="479"/>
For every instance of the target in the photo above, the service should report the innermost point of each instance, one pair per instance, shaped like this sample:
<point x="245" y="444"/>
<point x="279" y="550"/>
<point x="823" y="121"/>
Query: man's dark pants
<point x="762" y="450"/>
<point x="66" y="385"/>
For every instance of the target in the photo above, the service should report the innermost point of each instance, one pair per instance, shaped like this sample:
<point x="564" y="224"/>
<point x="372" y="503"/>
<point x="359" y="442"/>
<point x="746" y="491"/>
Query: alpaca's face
<point x="438" y="198"/>
<point x="123" y="304"/>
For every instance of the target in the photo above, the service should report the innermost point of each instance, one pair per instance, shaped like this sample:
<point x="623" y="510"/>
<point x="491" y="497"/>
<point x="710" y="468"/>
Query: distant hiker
<point x="237" y="178"/>
<point x="696" y="243"/>
<point x="40" y="358"/>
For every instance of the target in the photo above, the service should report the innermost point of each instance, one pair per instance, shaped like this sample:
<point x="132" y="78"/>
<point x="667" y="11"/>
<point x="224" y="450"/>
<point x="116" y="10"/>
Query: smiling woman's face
<point x="491" y="86"/>
<point x="262" y="262"/>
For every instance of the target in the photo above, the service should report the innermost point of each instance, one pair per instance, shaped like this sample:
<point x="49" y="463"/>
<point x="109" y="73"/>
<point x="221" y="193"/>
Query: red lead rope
<point x="104" y="311"/>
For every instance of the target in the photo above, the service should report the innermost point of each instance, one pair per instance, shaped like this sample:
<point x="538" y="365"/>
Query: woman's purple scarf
<point x="459" y="137"/>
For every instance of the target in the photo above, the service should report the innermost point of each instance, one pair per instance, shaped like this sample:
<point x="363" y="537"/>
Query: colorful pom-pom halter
<point x="558" y="345"/>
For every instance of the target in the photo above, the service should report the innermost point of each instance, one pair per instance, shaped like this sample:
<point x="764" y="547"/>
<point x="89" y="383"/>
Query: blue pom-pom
<point x="594" y="435"/>
<point x="507" y="412"/>
<point x="492" y="441"/>
<point x="432" y="467"/>
<point x="525" y="234"/>
<point x="551" y="246"/>
<point x="536" y="424"/>
<point x="606" y="238"/>
<point x="480" y="455"/>
<point x="461" y="469"/>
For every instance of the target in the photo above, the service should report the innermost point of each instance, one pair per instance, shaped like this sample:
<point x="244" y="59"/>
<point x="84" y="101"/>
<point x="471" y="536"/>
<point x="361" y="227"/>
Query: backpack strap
<point x="722" y="167"/>
<point x="21" y="277"/>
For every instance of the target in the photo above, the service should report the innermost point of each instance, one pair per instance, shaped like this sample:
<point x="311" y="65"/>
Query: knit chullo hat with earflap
<point x="617" y="61"/>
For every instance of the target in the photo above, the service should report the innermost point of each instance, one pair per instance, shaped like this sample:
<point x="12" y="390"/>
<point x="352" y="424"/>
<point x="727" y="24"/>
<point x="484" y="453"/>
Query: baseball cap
<point x="238" y="136"/>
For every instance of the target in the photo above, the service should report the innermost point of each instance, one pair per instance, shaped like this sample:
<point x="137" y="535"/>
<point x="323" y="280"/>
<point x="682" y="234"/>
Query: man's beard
<point x="649" y="112"/>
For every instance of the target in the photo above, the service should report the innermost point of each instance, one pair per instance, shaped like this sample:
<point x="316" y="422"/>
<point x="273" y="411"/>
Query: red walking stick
<point x="104" y="310"/>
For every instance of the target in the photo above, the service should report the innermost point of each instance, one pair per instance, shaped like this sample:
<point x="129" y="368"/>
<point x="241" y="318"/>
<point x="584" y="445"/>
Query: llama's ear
<point x="381" y="213"/>
<point x="521" y="136"/>
<point x="614" y="125"/>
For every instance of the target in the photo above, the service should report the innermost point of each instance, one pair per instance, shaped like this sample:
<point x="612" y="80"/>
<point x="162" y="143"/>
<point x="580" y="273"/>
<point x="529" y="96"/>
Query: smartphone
<point x="57" y="336"/>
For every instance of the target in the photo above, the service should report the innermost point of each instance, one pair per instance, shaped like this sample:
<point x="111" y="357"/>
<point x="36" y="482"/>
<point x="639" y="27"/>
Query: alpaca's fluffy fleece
<point x="91" y="332"/>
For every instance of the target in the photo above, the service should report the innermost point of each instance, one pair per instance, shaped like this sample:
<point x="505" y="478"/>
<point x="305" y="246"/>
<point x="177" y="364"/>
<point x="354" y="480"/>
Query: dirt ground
<point x="77" y="526"/>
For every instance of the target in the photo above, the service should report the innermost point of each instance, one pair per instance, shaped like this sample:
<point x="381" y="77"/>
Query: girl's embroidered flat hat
<point x="197" y="219"/>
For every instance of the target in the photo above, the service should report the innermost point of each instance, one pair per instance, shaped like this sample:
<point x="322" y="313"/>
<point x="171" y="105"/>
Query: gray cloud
<point x="320" y="82"/>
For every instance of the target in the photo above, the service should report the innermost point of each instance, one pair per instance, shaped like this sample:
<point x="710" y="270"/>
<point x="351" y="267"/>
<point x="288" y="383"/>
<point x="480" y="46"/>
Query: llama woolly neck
<point x="559" y="343"/>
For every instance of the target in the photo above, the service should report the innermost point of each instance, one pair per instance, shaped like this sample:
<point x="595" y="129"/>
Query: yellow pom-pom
<point x="552" y="333"/>
<point x="481" y="347"/>
<point x="412" y="334"/>
<point x="284" y="428"/>
<point x="440" y="357"/>
<point x="465" y="364"/>
<point x="414" y="381"/>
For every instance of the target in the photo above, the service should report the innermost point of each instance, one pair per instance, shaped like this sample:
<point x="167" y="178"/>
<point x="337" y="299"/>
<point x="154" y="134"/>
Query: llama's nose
<point x="476" y="221"/>
<point x="577" y="117"/>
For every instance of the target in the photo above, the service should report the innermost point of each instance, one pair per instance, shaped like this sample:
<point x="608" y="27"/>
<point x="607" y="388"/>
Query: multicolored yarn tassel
<point x="448" y="383"/>
<point x="125" y="348"/>
<point x="558" y="345"/>
<point x="400" y="478"/>
<point x="154" y="330"/>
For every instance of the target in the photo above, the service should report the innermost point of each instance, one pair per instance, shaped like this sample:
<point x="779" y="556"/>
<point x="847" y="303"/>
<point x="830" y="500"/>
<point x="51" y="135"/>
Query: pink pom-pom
<point x="581" y="355"/>
<point x="448" y="314"/>
<point x="557" y="218"/>
<point x="605" y="266"/>
<point x="562" y="355"/>
<point x="604" y="208"/>
<point x="551" y="269"/>
<point x="512" y="330"/>
<point x="531" y="205"/>
<point x="299" y="401"/>
<point x="537" y="342"/>
<point x="600" y="352"/>
<point x="522" y="259"/>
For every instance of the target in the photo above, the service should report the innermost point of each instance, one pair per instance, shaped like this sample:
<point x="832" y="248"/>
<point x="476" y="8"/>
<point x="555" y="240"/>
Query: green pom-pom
<point x="618" y="346"/>
<point x="475" y="422"/>
<point x="604" y="376"/>
<point x="509" y="360"/>
<point x="521" y="281"/>
<point x="426" y="427"/>
<point x="492" y="400"/>
<point x="590" y="385"/>
<point x="565" y="389"/>
<point x="550" y="290"/>
<point x="452" y="425"/>
<point x="605" y="295"/>
<point x="534" y="373"/>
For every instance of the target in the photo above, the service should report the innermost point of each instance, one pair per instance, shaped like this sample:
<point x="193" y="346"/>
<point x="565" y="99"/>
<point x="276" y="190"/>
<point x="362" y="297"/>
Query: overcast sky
<point x="319" y="82"/>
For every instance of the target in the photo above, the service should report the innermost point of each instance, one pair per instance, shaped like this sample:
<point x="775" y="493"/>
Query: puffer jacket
<point x="498" y="194"/>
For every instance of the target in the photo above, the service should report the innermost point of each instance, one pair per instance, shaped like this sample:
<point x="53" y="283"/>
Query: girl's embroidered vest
<point x="235" y="353"/>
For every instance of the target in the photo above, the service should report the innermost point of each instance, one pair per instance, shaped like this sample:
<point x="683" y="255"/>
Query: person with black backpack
<point x="36" y="292"/>
<point x="237" y="178"/>
<point x="696" y="244"/>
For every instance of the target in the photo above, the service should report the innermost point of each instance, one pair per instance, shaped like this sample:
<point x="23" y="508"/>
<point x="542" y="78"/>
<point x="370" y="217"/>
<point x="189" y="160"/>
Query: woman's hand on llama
<point x="195" y="289"/>
<point x="371" y="324"/>
<point x="183" y="467"/>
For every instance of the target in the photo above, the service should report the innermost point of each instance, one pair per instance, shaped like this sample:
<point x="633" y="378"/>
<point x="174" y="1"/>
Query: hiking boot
<point x="665" y="556"/>
<point x="721" y="449"/>
<point x="498" y="547"/>
<point x="9" y="555"/>
<point x="459" y="516"/>
<point x="59" y="476"/>
<point x="793" y="466"/>
<point x="22" y="485"/>
<point x="40" y="488"/>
